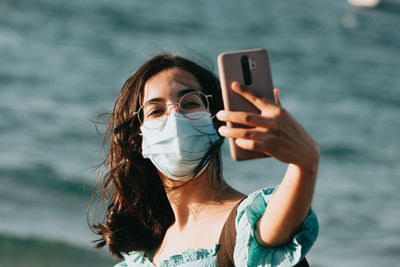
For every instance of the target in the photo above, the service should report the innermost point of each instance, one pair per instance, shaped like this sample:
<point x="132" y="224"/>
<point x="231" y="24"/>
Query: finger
<point x="252" y="133"/>
<point x="253" y="145"/>
<point x="258" y="102"/>
<point x="245" y="118"/>
<point x="276" y="97"/>
<point x="269" y="145"/>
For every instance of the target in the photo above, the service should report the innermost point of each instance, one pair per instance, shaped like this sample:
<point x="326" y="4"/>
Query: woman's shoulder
<point x="258" y="198"/>
<point x="253" y="207"/>
<point x="249" y="252"/>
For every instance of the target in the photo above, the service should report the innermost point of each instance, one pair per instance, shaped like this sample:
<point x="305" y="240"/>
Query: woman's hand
<point x="275" y="132"/>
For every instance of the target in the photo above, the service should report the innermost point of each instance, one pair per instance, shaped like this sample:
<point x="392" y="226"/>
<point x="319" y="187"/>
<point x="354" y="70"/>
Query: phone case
<point x="230" y="66"/>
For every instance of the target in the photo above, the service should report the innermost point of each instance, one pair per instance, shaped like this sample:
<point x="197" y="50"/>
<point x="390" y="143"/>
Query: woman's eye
<point x="190" y="104"/>
<point x="156" y="112"/>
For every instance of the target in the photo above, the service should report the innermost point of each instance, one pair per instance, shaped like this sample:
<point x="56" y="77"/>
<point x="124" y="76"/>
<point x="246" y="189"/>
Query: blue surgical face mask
<point x="178" y="147"/>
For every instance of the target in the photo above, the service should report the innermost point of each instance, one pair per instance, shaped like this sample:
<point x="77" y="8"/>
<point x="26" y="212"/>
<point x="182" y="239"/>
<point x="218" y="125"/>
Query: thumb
<point x="276" y="97"/>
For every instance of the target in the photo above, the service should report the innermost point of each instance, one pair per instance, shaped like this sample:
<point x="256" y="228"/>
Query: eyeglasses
<point x="190" y="105"/>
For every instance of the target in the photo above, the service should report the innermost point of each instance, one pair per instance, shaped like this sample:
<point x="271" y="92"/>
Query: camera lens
<point x="246" y="70"/>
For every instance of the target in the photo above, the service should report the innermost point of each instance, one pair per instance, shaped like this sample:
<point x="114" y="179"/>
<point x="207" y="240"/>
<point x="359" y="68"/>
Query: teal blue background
<point x="63" y="62"/>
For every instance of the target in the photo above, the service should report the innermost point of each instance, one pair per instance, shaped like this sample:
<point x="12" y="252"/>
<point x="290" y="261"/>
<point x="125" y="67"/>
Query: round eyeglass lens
<point x="193" y="105"/>
<point x="152" y="113"/>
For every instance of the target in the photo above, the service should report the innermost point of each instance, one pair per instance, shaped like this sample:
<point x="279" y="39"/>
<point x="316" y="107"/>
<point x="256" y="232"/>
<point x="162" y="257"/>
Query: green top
<point x="248" y="252"/>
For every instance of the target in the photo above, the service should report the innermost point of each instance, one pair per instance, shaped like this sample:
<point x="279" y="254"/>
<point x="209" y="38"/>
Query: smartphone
<point x="251" y="69"/>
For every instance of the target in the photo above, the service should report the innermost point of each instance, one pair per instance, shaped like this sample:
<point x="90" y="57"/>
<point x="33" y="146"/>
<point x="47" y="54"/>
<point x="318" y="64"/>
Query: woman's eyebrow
<point x="185" y="91"/>
<point x="179" y="94"/>
<point x="156" y="99"/>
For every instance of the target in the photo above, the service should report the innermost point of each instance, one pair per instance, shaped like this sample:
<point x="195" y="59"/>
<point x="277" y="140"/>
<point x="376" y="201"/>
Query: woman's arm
<point x="276" y="133"/>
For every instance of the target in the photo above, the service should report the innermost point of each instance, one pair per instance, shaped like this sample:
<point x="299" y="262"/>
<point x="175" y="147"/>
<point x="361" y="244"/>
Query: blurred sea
<point x="63" y="62"/>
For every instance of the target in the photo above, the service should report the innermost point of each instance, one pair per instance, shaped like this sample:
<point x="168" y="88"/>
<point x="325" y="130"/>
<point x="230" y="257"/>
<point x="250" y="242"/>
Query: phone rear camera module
<point x="246" y="70"/>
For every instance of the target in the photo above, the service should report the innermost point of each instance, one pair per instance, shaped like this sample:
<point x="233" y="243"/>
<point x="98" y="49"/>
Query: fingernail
<point x="222" y="130"/>
<point x="221" y="114"/>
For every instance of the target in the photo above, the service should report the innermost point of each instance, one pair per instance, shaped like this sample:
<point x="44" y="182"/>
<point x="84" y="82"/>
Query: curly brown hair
<point x="138" y="212"/>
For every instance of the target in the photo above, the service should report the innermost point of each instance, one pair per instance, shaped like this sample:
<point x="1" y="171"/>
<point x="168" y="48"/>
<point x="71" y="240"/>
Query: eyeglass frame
<point x="175" y="104"/>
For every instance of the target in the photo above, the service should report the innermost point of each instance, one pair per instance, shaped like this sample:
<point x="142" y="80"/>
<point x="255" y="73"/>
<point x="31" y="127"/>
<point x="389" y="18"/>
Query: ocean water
<point x="63" y="62"/>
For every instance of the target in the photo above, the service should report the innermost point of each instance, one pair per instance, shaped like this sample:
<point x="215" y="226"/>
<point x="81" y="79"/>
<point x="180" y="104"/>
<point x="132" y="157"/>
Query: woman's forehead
<point x="167" y="83"/>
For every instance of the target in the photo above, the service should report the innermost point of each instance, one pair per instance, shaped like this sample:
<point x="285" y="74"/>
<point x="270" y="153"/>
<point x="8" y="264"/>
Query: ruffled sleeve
<point x="248" y="252"/>
<point x="135" y="259"/>
<point x="188" y="258"/>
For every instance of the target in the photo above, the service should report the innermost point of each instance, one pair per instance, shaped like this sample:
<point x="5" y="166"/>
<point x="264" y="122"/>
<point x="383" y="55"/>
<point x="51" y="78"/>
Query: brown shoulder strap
<point x="227" y="242"/>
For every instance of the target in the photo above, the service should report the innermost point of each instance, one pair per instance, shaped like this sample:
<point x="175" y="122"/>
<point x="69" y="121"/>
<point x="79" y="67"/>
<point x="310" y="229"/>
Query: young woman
<point x="167" y="198"/>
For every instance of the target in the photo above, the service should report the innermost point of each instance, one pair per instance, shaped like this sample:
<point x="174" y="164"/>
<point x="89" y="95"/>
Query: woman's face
<point x="169" y="85"/>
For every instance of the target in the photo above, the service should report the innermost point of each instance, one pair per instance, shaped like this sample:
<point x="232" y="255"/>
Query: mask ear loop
<point x="208" y="106"/>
